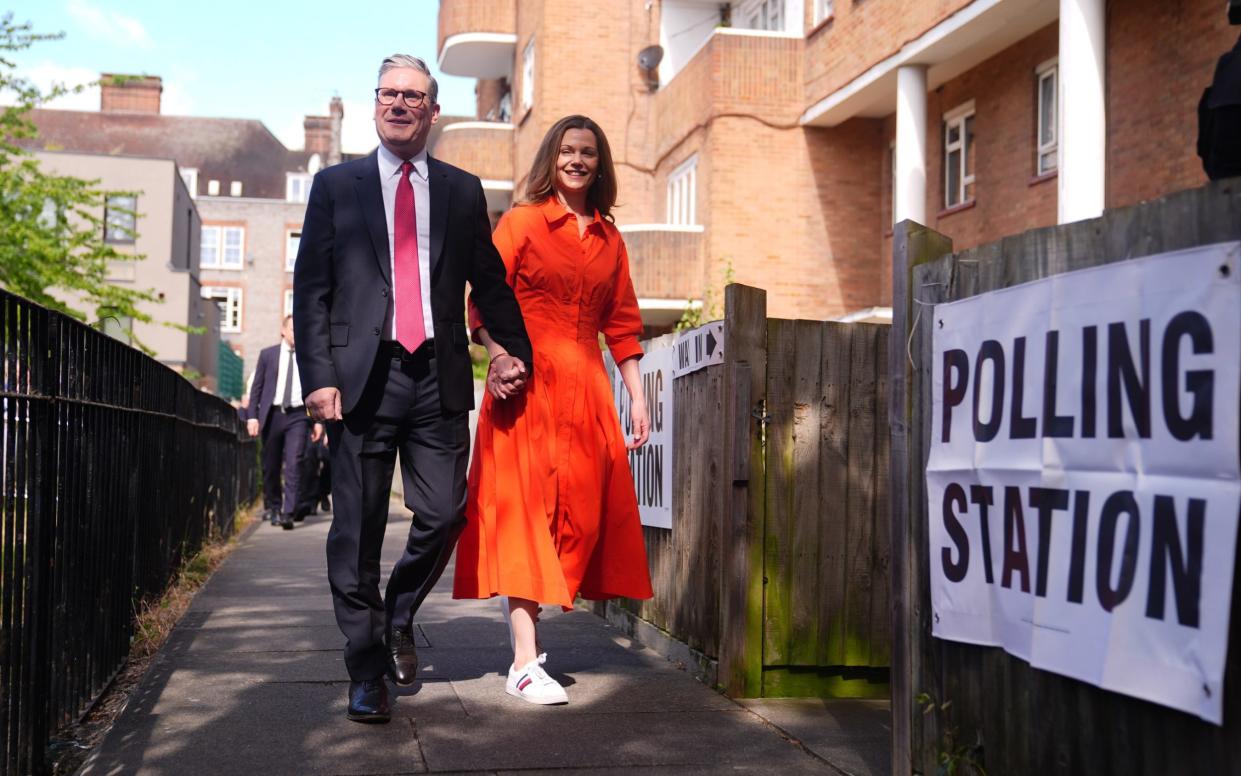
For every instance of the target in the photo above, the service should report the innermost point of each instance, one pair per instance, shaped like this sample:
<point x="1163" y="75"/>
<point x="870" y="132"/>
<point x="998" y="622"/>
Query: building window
<point x="959" y="156"/>
<point x="229" y="300"/>
<point x="764" y="15"/>
<point x="1048" y="82"/>
<point x="683" y="192"/>
<point x="292" y="241"/>
<point x="822" y="10"/>
<point x="527" y="76"/>
<point x="189" y="176"/>
<point x="234" y="189"/>
<point x="223" y="247"/>
<point x="288" y="301"/>
<point x="213" y="188"/>
<point x="297" y="186"/>
<point x="120" y="214"/>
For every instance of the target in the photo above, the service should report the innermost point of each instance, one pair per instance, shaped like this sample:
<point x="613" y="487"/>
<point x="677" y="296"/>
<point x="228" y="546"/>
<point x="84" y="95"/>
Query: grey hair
<point x="405" y="60"/>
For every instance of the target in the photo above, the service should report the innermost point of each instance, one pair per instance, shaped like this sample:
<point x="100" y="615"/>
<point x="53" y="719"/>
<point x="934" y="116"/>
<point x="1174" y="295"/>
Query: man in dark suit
<point x="388" y="244"/>
<point x="277" y="412"/>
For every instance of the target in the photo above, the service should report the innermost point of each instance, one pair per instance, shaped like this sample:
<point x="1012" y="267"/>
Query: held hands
<point x="316" y="433"/>
<point x="640" y="422"/>
<point x="252" y="427"/>
<point x="506" y="376"/>
<point x="324" y="404"/>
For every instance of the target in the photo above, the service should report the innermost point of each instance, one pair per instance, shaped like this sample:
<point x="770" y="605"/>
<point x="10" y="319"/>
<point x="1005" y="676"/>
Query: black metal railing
<point x="114" y="471"/>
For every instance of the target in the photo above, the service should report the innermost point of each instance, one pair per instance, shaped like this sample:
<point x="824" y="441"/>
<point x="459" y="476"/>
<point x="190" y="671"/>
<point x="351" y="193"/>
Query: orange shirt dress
<point x="551" y="510"/>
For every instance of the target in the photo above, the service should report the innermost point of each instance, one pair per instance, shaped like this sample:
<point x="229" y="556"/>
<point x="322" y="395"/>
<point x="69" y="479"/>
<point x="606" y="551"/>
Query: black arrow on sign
<point x="710" y="344"/>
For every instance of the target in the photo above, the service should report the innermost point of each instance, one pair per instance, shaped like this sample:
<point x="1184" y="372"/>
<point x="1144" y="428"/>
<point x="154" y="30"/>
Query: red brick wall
<point x="1160" y="56"/>
<point x="132" y="94"/>
<point x="1007" y="200"/>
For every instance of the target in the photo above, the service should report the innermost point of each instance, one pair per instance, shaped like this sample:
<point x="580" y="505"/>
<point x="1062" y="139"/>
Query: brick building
<point x="777" y="141"/>
<point x="249" y="190"/>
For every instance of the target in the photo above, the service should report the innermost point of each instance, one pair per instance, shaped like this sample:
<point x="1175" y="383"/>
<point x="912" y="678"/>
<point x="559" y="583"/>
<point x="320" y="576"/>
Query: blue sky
<point x="272" y="61"/>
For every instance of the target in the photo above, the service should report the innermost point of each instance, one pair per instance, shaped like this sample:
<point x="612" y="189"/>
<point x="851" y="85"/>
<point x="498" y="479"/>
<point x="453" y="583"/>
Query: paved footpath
<point x="252" y="682"/>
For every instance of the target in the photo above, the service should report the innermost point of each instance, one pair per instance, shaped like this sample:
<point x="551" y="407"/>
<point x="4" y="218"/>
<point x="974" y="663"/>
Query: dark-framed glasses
<point x="412" y="97"/>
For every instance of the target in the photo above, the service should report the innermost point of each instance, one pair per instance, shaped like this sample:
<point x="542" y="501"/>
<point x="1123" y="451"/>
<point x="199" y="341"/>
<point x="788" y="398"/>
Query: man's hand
<point x="252" y="427"/>
<point x="316" y="433"/>
<point x="324" y="404"/>
<point x="506" y="376"/>
<point x="640" y="420"/>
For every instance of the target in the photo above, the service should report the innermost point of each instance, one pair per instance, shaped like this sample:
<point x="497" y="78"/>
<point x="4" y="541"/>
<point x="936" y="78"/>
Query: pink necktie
<point x="410" y="330"/>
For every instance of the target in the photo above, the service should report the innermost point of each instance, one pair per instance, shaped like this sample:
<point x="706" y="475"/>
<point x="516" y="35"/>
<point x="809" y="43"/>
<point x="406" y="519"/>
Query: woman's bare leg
<point x="523" y="614"/>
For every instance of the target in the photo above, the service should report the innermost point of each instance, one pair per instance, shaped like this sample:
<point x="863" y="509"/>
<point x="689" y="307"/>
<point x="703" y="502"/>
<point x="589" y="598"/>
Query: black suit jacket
<point x="263" y="389"/>
<point x="342" y="280"/>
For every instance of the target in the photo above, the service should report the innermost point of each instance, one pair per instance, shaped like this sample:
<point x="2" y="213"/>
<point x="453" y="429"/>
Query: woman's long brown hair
<point x="540" y="183"/>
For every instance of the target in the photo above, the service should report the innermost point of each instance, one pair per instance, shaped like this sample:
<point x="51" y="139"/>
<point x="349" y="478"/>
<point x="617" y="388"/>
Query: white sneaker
<point x="531" y="683"/>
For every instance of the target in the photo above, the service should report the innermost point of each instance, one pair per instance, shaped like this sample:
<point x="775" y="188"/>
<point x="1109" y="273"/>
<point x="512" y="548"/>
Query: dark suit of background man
<point x="276" y="410"/>
<point x="388" y="245"/>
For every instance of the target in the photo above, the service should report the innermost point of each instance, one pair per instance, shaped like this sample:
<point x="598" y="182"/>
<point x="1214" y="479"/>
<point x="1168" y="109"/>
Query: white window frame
<point x="823" y="11"/>
<point x="213" y="188"/>
<point x="120" y="219"/>
<point x="527" y="76"/>
<point x="297" y="186"/>
<point x="234" y="189"/>
<point x="958" y="117"/>
<point x="682" y="193"/>
<point x="218" y="239"/>
<point x="290" y="247"/>
<point x="231" y="300"/>
<point x="1043" y="151"/>
<point x="892" y="180"/>
<point x="288" y="301"/>
<point x="189" y="176"/>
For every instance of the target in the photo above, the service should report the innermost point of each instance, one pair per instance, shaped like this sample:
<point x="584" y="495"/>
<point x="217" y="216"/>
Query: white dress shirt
<point x="283" y="374"/>
<point x="389" y="176"/>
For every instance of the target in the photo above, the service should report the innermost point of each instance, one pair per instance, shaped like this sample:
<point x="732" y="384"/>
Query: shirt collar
<point x="390" y="163"/>
<point x="284" y="346"/>
<point x="555" y="212"/>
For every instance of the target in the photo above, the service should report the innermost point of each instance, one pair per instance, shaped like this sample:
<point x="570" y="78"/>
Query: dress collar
<point x="555" y="212"/>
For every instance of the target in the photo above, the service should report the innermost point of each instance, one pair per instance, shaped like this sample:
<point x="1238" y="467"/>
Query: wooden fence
<point x="775" y="572"/>
<point x="1026" y="721"/>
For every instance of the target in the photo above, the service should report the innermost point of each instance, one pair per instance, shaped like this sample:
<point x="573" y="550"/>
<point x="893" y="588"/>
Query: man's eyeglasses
<point x="412" y="97"/>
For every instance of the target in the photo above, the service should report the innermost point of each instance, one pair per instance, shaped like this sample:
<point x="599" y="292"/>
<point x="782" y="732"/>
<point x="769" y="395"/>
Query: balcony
<point x="485" y="148"/>
<point x="477" y="38"/>
<point x="666" y="264"/>
<point x="737" y="73"/>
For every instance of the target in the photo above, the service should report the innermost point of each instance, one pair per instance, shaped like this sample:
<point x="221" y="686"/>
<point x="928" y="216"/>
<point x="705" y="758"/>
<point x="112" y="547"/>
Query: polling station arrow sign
<point x="698" y="348"/>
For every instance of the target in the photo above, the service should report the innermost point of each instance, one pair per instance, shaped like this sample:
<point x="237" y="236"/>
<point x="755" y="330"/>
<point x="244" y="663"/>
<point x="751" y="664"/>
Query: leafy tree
<point x="52" y="246"/>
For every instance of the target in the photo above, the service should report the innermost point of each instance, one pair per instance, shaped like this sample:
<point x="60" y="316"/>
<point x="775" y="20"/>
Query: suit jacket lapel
<point x="371" y="200"/>
<point x="441" y="194"/>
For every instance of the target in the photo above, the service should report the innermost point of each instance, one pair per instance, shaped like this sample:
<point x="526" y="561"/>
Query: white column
<point x="1083" y="115"/>
<point x="910" y="196"/>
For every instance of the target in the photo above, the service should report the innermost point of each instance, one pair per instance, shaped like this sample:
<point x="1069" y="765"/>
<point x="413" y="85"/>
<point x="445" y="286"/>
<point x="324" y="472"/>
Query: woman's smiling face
<point x="578" y="162"/>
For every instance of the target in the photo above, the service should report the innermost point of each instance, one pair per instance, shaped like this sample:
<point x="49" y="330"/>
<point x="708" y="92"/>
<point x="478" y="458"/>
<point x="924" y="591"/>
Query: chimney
<point x="337" y="110"/>
<point x="318" y="131"/>
<point x="130" y="93"/>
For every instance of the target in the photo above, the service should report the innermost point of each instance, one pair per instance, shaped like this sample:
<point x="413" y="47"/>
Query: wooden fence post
<point x="912" y="244"/>
<point x="741" y="529"/>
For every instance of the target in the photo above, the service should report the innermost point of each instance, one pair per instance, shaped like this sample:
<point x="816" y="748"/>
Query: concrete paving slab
<point x="853" y="735"/>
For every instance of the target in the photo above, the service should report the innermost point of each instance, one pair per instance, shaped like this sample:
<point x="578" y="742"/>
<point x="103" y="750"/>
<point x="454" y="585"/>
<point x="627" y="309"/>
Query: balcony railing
<point x="665" y="260"/>
<point x="477" y="38"/>
<point x="485" y="148"/>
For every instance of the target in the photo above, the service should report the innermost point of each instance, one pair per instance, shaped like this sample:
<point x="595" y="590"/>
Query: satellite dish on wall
<point x="649" y="57"/>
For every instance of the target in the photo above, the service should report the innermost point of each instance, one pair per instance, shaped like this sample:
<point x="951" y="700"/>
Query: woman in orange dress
<point x="551" y="510"/>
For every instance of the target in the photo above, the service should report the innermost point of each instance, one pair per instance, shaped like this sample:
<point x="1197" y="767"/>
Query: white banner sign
<point x="651" y="464"/>
<point x="700" y="347"/>
<point x="1083" y="482"/>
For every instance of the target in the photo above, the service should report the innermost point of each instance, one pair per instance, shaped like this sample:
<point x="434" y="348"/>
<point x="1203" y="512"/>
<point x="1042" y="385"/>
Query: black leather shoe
<point x="368" y="701"/>
<point x="286" y="521"/>
<point x="325" y="505"/>
<point x="402" y="657"/>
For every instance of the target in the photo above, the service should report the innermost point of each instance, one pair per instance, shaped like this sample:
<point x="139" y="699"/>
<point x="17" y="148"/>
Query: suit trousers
<point x="284" y="448"/>
<point x="399" y="411"/>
